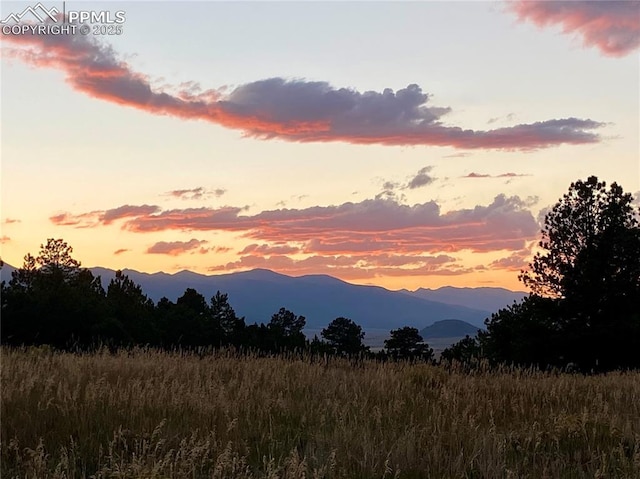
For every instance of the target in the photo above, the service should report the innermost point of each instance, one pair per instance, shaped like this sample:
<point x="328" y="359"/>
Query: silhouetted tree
<point x="257" y="337"/>
<point x="285" y="329"/>
<point x="407" y="343"/>
<point x="130" y="313"/>
<point x="590" y="244"/>
<point x="232" y="327"/>
<point x="466" y="351"/>
<point x="55" y="258"/>
<point x="344" y="337"/>
<point x="320" y="347"/>
<point x="188" y="323"/>
<point x="52" y="300"/>
<point x="585" y="283"/>
<point x="526" y="333"/>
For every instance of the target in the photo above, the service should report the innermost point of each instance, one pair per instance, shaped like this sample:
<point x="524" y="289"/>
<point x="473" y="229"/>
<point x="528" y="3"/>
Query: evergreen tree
<point x="406" y="343"/>
<point x="344" y="337"/>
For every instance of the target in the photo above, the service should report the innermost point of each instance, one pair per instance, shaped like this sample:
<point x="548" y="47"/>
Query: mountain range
<point x="259" y="293"/>
<point x="486" y="299"/>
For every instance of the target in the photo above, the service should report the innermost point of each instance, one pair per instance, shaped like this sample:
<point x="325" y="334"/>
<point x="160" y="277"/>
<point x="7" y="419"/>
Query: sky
<point x="400" y="144"/>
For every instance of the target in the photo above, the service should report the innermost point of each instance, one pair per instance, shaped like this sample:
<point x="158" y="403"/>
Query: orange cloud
<point x="268" y="250"/>
<point x="381" y="225"/>
<point x="516" y="261"/>
<point x="611" y="26"/>
<point x="176" y="248"/>
<point x="293" y="110"/>
<point x="102" y="217"/>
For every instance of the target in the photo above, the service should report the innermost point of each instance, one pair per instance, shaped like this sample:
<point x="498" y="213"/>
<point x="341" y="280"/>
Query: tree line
<point x="52" y="300"/>
<point x="583" y="310"/>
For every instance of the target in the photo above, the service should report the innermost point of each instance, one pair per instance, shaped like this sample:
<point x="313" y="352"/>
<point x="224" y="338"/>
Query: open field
<point x="147" y="414"/>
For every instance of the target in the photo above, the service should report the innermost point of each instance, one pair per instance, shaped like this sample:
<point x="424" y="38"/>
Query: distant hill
<point x="259" y="293"/>
<point x="486" y="299"/>
<point x="448" y="328"/>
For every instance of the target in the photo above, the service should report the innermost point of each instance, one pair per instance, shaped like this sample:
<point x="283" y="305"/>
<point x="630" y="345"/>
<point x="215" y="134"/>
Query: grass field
<point x="147" y="414"/>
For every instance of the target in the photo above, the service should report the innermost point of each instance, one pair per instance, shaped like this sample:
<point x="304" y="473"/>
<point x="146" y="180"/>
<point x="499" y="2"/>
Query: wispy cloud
<point x="293" y="110"/>
<point x="516" y="261"/>
<point x="102" y="217"/>
<point x="9" y="221"/>
<point x="4" y="239"/>
<point x="176" y="248"/>
<point x="507" y="117"/>
<point x="269" y="250"/>
<point x="611" y="26"/>
<point x="199" y="193"/>
<point x="501" y="175"/>
<point x="120" y="251"/>
<point x="83" y="220"/>
<point x="391" y="189"/>
<point x="422" y="178"/>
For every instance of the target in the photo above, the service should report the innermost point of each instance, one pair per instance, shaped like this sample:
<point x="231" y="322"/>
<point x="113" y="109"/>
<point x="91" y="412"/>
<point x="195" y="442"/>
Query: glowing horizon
<point x="377" y="155"/>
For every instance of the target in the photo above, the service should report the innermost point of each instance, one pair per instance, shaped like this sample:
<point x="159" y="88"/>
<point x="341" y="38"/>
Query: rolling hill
<point x="448" y="328"/>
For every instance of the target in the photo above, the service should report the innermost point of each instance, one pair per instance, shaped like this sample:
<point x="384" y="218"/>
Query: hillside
<point x="448" y="328"/>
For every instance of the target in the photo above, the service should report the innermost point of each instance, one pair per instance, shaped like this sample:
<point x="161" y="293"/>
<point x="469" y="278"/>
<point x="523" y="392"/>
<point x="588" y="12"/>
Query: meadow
<point x="152" y="414"/>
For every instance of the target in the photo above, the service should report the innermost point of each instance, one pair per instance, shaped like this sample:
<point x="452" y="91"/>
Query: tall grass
<point x="149" y="414"/>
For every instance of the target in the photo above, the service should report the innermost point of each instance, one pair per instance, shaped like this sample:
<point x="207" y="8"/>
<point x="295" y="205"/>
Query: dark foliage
<point x="344" y="337"/>
<point x="52" y="300"/>
<point x="585" y="303"/>
<point x="406" y="343"/>
<point x="466" y="351"/>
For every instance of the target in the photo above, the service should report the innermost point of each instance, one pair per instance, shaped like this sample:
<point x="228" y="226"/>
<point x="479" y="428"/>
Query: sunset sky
<point x="399" y="144"/>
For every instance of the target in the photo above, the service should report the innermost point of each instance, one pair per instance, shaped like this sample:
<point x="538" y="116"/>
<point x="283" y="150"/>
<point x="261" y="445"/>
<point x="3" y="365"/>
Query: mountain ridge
<point x="259" y="293"/>
<point x="484" y="298"/>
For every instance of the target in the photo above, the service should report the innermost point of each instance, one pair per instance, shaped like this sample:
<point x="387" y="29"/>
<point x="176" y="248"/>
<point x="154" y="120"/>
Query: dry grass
<point x="150" y="414"/>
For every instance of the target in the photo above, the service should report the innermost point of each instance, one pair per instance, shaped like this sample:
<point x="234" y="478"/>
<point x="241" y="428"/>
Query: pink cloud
<point x="9" y="221"/>
<point x="175" y="248"/>
<point x="84" y="220"/>
<point x="102" y="217"/>
<point x="611" y="26"/>
<point x="502" y="175"/>
<point x="268" y="250"/>
<point x="516" y="261"/>
<point x="476" y="175"/>
<point x="381" y="225"/>
<point x="4" y="239"/>
<point x="127" y="211"/>
<point x="120" y="251"/>
<point x="293" y="110"/>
